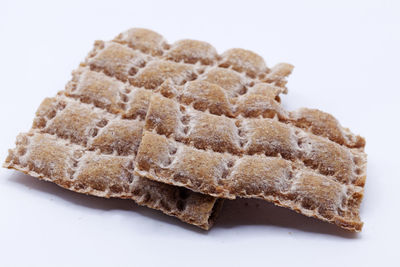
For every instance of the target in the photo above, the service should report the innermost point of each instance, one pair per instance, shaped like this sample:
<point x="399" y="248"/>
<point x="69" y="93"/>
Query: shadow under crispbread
<point x="254" y="212"/>
<point x="97" y="203"/>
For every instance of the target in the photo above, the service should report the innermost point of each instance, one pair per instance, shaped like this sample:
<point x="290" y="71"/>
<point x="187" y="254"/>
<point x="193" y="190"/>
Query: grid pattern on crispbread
<point x="247" y="157"/>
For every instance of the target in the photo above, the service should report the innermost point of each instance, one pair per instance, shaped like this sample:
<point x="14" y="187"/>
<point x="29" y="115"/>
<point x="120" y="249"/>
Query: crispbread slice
<point x="85" y="139"/>
<point x="268" y="158"/>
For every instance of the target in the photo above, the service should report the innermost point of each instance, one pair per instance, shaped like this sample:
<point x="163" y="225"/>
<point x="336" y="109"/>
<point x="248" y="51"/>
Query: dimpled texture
<point x="269" y="158"/>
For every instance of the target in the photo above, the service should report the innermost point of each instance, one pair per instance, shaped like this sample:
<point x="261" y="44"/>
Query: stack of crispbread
<point x="179" y="127"/>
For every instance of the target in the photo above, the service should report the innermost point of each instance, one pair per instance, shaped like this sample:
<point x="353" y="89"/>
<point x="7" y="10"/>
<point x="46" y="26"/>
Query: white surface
<point x="347" y="63"/>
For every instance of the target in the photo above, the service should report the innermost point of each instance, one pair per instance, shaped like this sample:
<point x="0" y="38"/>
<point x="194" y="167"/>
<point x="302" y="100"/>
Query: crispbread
<point x="272" y="159"/>
<point x="85" y="139"/>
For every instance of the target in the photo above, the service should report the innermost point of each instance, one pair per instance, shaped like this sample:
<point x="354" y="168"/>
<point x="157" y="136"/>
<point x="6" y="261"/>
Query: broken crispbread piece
<point x="271" y="159"/>
<point x="85" y="139"/>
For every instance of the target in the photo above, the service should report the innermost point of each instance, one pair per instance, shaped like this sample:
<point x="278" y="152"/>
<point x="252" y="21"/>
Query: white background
<point x="347" y="61"/>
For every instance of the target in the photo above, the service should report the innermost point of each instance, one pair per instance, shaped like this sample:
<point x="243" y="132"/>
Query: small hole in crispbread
<point x="185" y="119"/>
<point x="224" y="174"/>
<point x="127" y="90"/>
<point x="124" y="97"/>
<point x="183" y="82"/>
<point x="173" y="150"/>
<point x="186" y="129"/>
<point x="75" y="164"/>
<point x="51" y="114"/>
<point x="193" y="77"/>
<point x="132" y="71"/>
<point x="200" y="71"/>
<point x="242" y="91"/>
<point x="182" y="108"/>
<point x="93" y="132"/>
<point x="102" y="123"/>
<point x="299" y="142"/>
<point x="251" y="84"/>
<point x="142" y="64"/>
<point x="358" y="171"/>
<point x="240" y="132"/>
<point x="230" y="163"/>
<point x="61" y="105"/>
